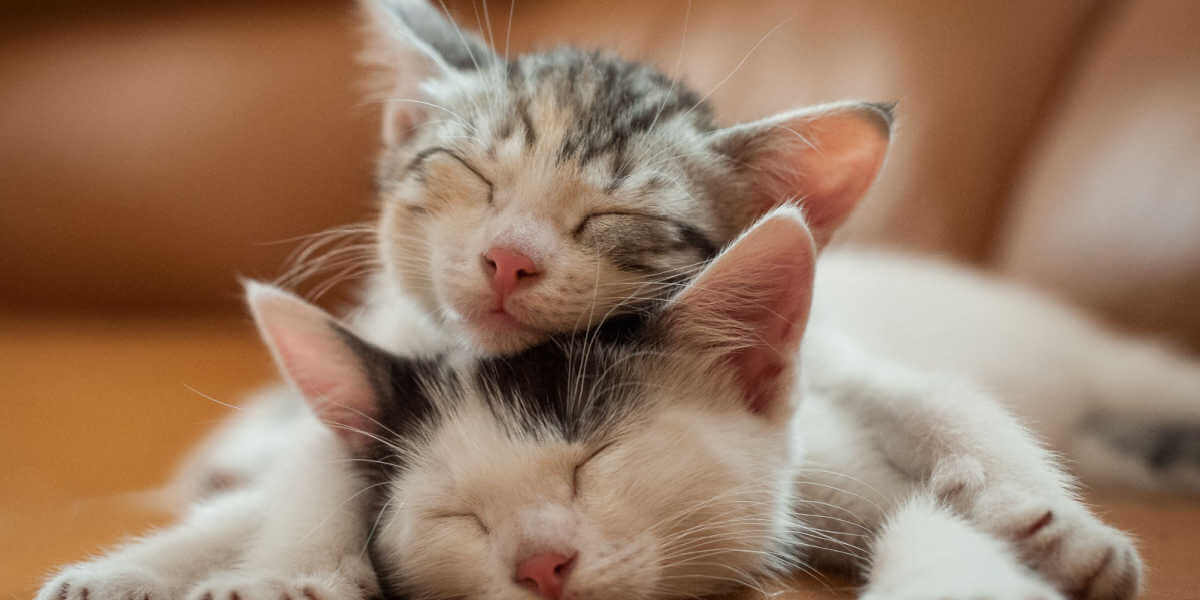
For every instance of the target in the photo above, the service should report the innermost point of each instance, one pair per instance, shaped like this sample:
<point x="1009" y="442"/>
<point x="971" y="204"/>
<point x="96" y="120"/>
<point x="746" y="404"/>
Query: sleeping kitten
<point x="680" y="453"/>
<point x="537" y="195"/>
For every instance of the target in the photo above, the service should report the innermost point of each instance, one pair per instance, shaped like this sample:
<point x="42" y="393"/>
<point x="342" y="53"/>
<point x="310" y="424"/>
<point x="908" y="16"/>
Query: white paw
<point x="926" y="552"/>
<point x="957" y="568"/>
<point x="105" y="581"/>
<point x="1065" y="543"/>
<point x="957" y="478"/>
<point x="977" y="585"/>
<point x="961" y="571"/>
<point x="247" y="586"/>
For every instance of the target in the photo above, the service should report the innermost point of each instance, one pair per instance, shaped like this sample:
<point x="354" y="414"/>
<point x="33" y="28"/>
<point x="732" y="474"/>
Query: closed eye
<point x="582" y="463"/>
<point x="613" y="213"/>
<point x="465" y="515"/>
<point x="417" y="164"/>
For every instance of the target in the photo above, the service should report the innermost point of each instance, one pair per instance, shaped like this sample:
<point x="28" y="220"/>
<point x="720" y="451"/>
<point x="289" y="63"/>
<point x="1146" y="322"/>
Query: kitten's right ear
<point x="407" y="43"/>
<point x="318" y="357"/>
<point x="748" y="309"/>
<point x="822" y="158"/>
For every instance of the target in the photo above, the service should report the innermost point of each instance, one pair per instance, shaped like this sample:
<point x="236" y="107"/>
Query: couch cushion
<point x="1108" y="208"/>
<point x="149" y="158"/>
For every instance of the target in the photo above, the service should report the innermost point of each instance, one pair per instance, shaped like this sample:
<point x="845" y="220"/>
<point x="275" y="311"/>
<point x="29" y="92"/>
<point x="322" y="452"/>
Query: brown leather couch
<point x="149" y="152"/>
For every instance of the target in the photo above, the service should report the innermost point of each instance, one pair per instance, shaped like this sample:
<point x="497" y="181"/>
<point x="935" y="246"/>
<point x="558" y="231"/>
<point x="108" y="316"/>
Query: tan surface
<point x="93" y="410"/>
<point x="96" y="409"/>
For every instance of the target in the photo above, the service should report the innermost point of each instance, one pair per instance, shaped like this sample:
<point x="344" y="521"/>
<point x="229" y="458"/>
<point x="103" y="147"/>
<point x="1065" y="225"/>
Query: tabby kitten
<point x="528" y="196"/>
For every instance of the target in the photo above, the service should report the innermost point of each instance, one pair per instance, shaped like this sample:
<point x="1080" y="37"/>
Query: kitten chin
<point x="495" y="333"/>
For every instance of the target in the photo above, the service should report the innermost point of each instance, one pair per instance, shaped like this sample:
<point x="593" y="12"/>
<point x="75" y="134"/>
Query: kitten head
<point x="648" y="458"/>
<point x="535" y="195"/>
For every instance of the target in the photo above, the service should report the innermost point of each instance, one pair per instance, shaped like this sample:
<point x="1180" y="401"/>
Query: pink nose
<point x="546" y="573"/>
<point x="508" y="269"/>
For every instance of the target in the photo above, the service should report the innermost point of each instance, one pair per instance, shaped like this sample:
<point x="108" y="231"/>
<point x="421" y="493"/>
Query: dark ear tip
<point x="885" y="112"/>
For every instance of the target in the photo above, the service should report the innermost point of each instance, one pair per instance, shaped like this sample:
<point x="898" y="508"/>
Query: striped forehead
<point x="572" y="106"/>
<point x="573" y="389"/>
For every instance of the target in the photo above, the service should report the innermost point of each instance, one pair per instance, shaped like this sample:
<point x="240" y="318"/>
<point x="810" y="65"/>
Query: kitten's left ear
<point x="322" y="360"/>
<point x="822" y="158"/>
<point x="407" y="43"/>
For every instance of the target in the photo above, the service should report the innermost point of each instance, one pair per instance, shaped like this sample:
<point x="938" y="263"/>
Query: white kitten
<point x="669" y="456"/>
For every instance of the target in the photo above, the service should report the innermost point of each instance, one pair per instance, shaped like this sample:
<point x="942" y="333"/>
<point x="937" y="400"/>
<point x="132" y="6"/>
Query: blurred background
<point x="152" y="151"/>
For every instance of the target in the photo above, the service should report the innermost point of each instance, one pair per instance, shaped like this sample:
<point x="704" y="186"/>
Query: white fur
<point x="879" y="457"/>
<point x="1046" y="361"/>
<point x="879" y="432"/>
<point x="894" y="459"/>
<point x="293" y="528"/>
<point x="926" y="551"/>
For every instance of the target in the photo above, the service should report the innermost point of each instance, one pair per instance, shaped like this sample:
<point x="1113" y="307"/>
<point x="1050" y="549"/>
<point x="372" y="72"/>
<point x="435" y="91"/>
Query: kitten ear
<point x="407" y="43"/>
<point x="317" y="357"/>
<point x="749" y="307"/>
<point x="822" y="158"/>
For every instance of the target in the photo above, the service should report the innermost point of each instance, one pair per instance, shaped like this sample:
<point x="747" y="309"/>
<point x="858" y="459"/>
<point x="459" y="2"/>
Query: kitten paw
<point x="100" y="581"/>
<point x="996" y="578"/>
<point x="925" y="552"/>
<point x="958" y="477"/>
<point x="1067" y="545"/>
<point x="244" y="586"/>
<point x="1010" y="591"/>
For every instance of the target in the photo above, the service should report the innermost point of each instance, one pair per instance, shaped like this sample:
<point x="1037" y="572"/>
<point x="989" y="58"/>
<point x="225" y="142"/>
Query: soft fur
<point x="689" y="457"/>
<point x="610" y="176"/>
<point x="684" y="453"/>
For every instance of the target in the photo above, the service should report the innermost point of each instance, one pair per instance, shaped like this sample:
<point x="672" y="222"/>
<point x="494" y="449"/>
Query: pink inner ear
<point x="827" y="161"/>
<point x="779" y="325"/>
<point x="759" y="291"/>
<point x="313" y="366"/>
<point x="315" y="358"/>
<point x="757" y="372"/>
<point x="398" y="69"/>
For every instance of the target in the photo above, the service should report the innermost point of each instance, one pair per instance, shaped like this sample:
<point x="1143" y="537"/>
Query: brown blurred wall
<point x="149" y="158"/>
<point x="151" y="152"/>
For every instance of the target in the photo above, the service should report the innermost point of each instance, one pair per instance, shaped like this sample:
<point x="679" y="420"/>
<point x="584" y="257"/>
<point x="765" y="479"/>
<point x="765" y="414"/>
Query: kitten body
<point x="1125" y="411"/>
<point x="681" y="453"/>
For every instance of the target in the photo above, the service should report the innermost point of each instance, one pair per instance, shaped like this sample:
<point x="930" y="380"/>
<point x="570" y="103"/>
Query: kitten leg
<point x="243" y="449"/>
<point x="1142" y="421"/>
<point x="924" y="551"/>
<point x="942" y="433"/>
<point x="312" y="540"/>
<point x="162" y="565"/>
<point x="1126" y="410"/>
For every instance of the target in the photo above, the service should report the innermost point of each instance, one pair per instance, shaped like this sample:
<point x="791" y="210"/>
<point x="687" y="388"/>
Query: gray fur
<point x="459" y="48"/>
